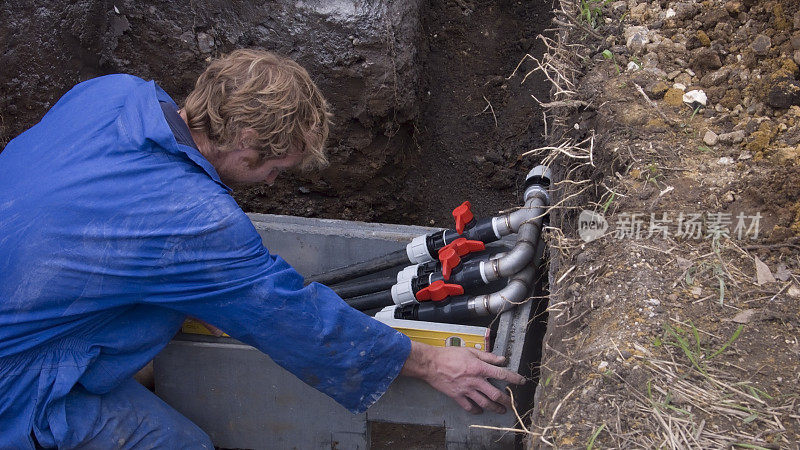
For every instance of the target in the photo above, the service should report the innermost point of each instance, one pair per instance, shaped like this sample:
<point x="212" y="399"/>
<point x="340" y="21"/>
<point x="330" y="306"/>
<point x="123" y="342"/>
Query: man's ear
<point x="247" y="138"/>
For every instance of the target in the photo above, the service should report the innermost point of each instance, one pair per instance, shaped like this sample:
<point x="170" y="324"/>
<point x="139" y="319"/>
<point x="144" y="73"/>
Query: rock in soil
<point x="784" y="93"/>
<point x="734" y="137"/>
<point x="656" y="90"/>
<point x="710" y="138"/>
<point x="761" y="45"/>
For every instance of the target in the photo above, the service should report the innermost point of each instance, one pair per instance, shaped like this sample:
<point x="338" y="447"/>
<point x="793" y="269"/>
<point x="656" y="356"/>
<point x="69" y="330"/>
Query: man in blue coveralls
<point x="116" y="222"/>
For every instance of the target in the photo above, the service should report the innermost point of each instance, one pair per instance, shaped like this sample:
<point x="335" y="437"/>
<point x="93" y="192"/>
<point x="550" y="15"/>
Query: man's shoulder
<point x="117" y="81"/>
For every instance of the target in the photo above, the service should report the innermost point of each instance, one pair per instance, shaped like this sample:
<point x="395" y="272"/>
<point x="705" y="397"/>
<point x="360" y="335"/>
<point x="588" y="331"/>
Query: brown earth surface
<point x="667" y="337"/>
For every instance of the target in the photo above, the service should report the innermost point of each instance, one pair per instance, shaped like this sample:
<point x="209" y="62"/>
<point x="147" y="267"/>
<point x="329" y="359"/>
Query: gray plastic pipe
<point x="527" y="223"/>
<point x="515" y="292"/>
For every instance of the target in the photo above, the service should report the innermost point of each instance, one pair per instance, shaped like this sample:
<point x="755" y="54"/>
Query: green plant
<point x="590" y="444"/>
<point x="610" y="56"/>
<point x="608" y="202"/>
<point x="681" y="341"/>
<point x="591" y="11"/>
<point x="730" y="341"/>
<point x="688" y="341"/>
<point x="653" y="174"/>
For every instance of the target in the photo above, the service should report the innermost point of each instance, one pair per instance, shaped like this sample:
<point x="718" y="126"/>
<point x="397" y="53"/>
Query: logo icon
<point x="591" y="225"/>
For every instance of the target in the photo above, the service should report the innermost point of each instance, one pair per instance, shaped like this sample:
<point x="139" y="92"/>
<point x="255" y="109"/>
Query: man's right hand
<point x="462" y="373"/>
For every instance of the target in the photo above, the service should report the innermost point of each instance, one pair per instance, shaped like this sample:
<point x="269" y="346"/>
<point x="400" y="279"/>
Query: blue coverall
<point x="110" y="234"/>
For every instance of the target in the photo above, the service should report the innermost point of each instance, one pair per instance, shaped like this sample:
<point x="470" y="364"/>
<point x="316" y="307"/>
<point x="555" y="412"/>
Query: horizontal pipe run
<point x="361" y="269"/>
<point x="371" y="301"/>
<point x="356" y="288"/>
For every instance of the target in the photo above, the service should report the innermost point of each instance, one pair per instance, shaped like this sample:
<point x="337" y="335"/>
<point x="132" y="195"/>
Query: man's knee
<point x="130" y="416"/>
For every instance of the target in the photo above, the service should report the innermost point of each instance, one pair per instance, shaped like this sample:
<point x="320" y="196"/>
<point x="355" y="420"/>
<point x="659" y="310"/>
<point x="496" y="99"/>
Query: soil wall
<point x="424" y="115"/>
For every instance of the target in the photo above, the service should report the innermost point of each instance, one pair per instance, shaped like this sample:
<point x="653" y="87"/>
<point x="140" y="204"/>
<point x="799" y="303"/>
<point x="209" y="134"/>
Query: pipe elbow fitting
<point x="513" y="294"/>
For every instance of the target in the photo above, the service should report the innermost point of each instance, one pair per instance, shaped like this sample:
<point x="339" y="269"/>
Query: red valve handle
<point x="463" y="216"/>
<point x="465" y="246"/>
<point x="449" y="258"/>
<point x="438" y="291"/>
<point x="450" y="255"/>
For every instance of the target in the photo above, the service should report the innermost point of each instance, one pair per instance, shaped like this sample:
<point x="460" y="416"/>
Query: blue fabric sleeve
<point x="220" y="272"/>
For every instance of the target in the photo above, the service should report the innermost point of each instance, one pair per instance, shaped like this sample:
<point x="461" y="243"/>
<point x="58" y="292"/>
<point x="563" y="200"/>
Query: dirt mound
<point x="677" y="124"/>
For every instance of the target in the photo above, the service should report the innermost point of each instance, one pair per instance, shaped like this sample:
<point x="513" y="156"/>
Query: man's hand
<point x="461" y="373"/>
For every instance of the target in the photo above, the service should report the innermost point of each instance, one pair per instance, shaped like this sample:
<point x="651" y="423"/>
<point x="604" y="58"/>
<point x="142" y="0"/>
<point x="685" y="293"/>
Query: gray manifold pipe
<point x="527" y="223"/>
<point x="515" y="292"/>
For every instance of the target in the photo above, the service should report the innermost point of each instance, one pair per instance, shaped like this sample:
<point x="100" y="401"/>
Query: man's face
<point x="243" y="167"/>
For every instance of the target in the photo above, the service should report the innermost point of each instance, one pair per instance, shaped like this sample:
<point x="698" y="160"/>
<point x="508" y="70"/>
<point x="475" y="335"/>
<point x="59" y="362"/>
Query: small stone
<point x="632" y="66"/>
<point x="745" y="155"/>
<point x="710" y="138"/>
<point x="656" y="90"/>
<point x="673" y="297"/>
<point x="745" y="316"/>
<point x="761" y="44"/>
<point x="784" y="93"/>
<point x="716" y="78"/>
<point x="725" y="161"/>
<point x="695" y="97"/>
<point x="755" y="109"/>
<point x="304" y="190"/>
<point x="733" y="7"/>
<point x="671" y="76"/>
<point x="684" y="79"/>
<point x="205" y="42"/>
<point x="602" y="365"/>
<point x="653" y="301"/>
<point x="686" y="10"/>
<point x="793" y="292"/>
<point x="619" y="7"/>
<point x="650" y="60"/>
<point x="669" y="14"/>
<point x="636" y="38"/>
<point x="705" y="59"/>
<point x="734" y="137"/>
<point x="639" y="12"/>
<point x="625" y="354"/>
<point x="797" y="57"/>
<point x="705" y="41"/>
<point x="673" y="97"/>
<point x="728" y="197"/>
<point x="795" y="40"/>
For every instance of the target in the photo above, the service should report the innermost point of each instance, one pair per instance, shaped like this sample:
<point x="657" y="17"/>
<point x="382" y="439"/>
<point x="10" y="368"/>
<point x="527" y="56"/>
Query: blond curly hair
<point x="270" y="94"/>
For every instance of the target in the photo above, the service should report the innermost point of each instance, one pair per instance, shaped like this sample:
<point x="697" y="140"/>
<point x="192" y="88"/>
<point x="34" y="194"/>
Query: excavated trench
<point x="426" y="111"/>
